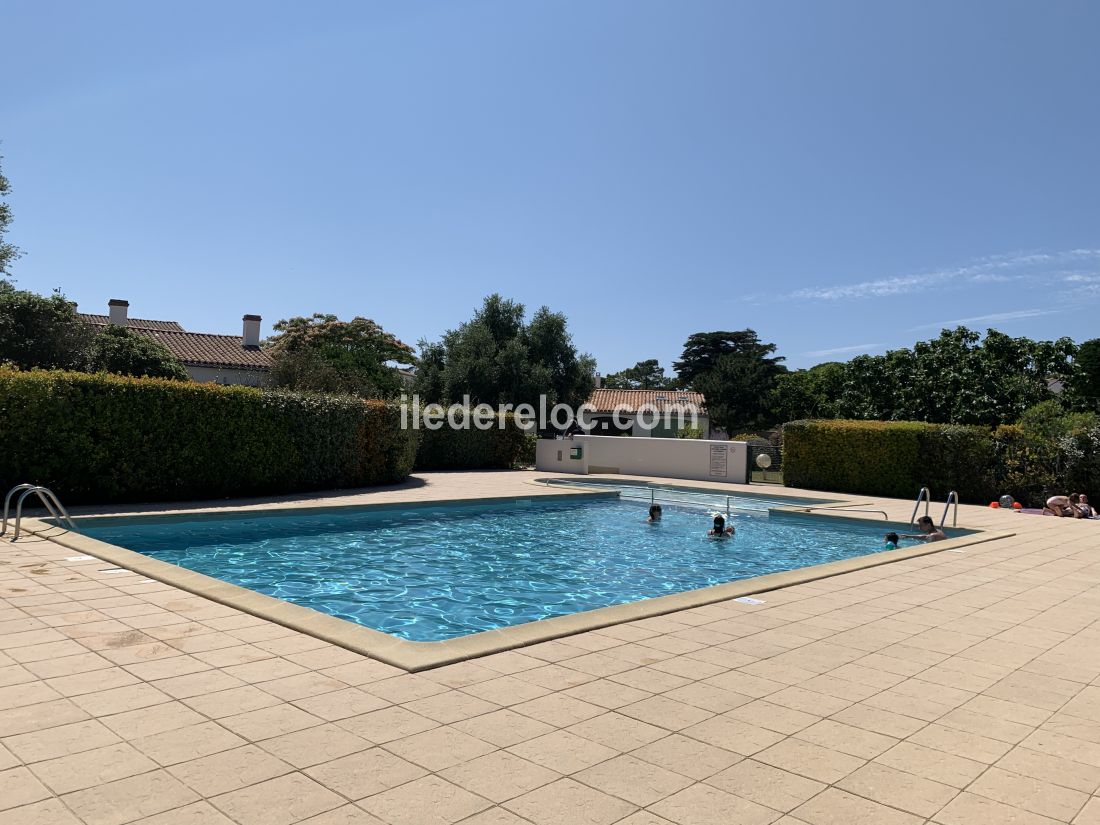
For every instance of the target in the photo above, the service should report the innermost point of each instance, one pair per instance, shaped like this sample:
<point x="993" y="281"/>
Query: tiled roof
<point x="606" y="400"/>
<point x="200" y="349"/>
<point x="133" y="323"/>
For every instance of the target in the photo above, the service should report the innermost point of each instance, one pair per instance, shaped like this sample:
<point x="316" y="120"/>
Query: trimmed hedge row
<point x="897" y="458"/>
<point x="473" y="449"/>
<point x="101" y="438"/>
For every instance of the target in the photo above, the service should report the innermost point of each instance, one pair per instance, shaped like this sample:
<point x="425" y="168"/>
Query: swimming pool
<point x="433" y="573"/>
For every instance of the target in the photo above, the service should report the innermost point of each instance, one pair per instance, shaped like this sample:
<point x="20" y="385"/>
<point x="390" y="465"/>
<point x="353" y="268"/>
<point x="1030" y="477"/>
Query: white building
<point x="681" y="406"/>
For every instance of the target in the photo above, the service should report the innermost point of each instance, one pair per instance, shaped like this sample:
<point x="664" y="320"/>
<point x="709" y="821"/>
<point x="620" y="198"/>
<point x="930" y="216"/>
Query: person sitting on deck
<point x="928" y="531"/>
<point x="720" y="530"/>
<point x="1083" y="506"/>
<point x="1063" y="506"/>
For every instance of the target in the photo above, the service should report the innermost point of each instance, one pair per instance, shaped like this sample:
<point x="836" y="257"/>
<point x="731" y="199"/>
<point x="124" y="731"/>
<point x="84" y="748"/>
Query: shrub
<point x="690" y="432"/>
<point x="1050" y="420"/>
<point x="897" y="458"/>
<point x="869" y="457"/>
<point x="1024" y="467"/>
<point x="956" y="457"/>
<point x="474" y="449"/>
<point x="124" y="352"/>
<point x="1081" y="456"/>
<point x="40" y="332"/>
<point x="108" y="438"/>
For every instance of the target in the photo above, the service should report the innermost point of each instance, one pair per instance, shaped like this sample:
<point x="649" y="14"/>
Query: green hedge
<point x="474" y="449"/>
<point x="851" y="456"/>
<point x="101" y="438"/>
<point x="897" y="458"/>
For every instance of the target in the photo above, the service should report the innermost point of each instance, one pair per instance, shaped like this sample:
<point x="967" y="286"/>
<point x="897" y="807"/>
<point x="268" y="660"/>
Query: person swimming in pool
<point x="928" y="531"/>
<point x="720" y="530"/>
<point x="654" y="513"/>
<point x="891" y="540"/>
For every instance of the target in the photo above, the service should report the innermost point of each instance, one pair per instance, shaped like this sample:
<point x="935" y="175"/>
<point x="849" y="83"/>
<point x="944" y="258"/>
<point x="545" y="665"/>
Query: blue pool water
<point x="439" y="572"/>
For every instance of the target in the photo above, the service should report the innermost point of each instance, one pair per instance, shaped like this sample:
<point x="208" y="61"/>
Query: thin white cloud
<point x="992" y="269"/>
<point x="994" y="317"/>
<point x="818" y="353"/>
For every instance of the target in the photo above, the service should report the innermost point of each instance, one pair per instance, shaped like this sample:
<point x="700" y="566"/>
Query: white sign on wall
<point x="719" y="461"/>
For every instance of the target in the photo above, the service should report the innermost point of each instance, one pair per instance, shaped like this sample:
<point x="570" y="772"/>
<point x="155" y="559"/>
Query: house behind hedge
<point x="208" y="357"/>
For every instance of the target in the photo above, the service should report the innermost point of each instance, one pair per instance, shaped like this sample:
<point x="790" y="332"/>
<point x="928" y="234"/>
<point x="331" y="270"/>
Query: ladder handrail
<point x="952" y="496"/>
<point x="49" y="500"/>
<point x="51" y="503"/>
<point x="7" y="503"/>
<point x="926" y="495"/>
<point x="61" y="507"/>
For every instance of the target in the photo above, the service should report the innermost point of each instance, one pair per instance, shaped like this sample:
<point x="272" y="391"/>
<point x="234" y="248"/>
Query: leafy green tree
<point x="121" y="351"/>
<point x="1085" y="384"/>
<point x="704" y="350"/>
<point x="645" y="375"/>
<point x="809" y="393"/>
<point x="8" y="252"/>
<point x="1049" y="420"/>
<point x="36" y="331"/>
<point x="737" y="374"/>
<point x="956" y="378"/>
<point x="498" y="358"/>
<point x="324" y="354"/>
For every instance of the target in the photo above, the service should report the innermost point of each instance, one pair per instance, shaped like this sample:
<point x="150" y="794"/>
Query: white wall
<point x="687" y="458"/>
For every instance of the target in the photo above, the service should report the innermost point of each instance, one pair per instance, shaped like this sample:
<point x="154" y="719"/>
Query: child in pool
<point x="654" y="513"/>
<point x="891" y="541"/>
<point x="720" y="530"/>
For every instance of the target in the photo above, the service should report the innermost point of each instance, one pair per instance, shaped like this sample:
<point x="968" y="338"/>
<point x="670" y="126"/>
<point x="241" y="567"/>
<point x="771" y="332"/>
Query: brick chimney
<point x="117" y="311"/>
<point x="252" y="330"/>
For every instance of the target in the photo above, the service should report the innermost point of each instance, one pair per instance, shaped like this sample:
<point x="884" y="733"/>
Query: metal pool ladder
<point x="924" y="496"/>
<point x="952" y="497"/>
<point x="45" y="495"/>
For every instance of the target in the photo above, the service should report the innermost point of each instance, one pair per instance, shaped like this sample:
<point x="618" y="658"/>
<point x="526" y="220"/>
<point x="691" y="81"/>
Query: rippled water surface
<point x="441" y="572"/>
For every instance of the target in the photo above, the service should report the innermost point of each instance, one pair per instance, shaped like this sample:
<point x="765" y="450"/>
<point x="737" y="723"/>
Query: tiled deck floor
<point x="960" y="687"/>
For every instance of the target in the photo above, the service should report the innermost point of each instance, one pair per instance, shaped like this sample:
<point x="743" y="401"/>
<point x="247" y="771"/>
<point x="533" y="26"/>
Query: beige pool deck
<point x="953" y="687"/>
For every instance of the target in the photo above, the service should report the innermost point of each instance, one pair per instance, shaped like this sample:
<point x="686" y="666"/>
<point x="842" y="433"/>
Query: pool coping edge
<point x="416" y="656"/>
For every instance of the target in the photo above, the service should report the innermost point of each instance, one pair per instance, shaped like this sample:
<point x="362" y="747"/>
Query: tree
<point x="645" y="375"/>
<point x="1085" y="385"/>
<point x="956" y="379"/>
<point x="736" y="372"/>
<point x="704" y="350"/>
<point x="117" y="349"/>
<point x="8" y="252"/>
<point x="809" y="393"/>
<point x="498" y="358"/>
<point x="324" y="354"/>
<point x="1049" y="421"/>
<point x="36" y="331"/>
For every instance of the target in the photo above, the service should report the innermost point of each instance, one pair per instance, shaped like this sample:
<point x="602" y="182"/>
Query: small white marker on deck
<point x="749" y="600"/>
<point x="79" y="558"/>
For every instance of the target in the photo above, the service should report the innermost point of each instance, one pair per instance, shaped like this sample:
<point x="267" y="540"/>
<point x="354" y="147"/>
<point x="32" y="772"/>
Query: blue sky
<point x="841" y="176"/>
